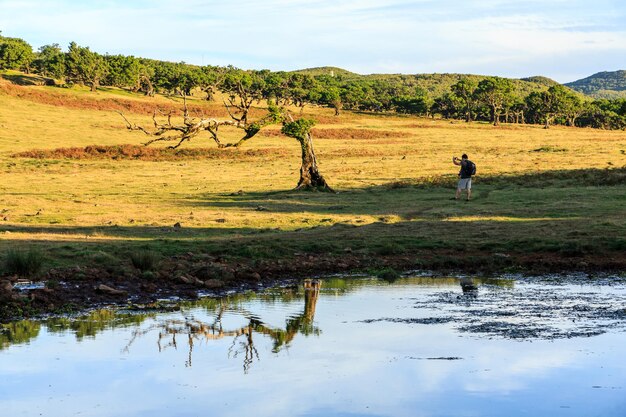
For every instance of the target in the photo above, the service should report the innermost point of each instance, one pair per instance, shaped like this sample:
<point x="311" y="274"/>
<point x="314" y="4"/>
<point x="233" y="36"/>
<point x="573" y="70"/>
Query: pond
<point x="419" y="346"/>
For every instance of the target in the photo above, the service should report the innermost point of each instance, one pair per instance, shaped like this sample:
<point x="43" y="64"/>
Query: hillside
<point x="540" y="79"/>
<point x="332" y="71"/>
<point x="606" y="84"/>
<point x="435" y="84"/>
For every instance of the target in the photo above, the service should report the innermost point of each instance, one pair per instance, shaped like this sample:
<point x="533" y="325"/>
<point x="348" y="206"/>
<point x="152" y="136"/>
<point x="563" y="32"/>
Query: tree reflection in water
<point x="243" y="344"/>
<point x="191" y="330"/>
<point x="18" y="332"/>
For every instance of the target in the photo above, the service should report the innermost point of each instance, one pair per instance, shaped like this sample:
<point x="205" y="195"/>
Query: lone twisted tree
<point x="310" y="177"/>
<point x="167" y="131"/>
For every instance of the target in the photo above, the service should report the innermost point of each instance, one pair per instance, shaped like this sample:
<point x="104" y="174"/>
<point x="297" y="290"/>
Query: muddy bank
<point x="192" y="275"/>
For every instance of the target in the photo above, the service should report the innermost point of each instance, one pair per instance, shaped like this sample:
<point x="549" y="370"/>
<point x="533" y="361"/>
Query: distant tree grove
<point x="464" y="97"/>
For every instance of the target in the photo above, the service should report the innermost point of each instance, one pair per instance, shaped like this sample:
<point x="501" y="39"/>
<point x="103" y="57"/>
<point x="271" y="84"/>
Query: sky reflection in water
<point x="349" y="348"/>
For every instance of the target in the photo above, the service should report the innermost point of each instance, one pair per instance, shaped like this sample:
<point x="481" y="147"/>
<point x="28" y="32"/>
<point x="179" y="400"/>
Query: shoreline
<point x="78" y="289"/>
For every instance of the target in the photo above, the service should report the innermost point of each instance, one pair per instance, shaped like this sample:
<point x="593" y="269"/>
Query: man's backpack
<point x="468" y="170"/>
<point x="472" y="167"/>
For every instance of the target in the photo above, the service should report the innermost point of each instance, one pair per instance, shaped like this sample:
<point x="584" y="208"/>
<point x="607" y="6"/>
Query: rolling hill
<point x="606" y="84"/>
<point x="435" y="84"/>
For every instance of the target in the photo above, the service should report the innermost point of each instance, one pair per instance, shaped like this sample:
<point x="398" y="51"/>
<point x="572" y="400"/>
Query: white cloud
<point x="500" y="37"/>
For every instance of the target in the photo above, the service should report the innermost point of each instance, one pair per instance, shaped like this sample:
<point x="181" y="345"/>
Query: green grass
<point x="145" y="260"/>
<point x="24" y="263"/>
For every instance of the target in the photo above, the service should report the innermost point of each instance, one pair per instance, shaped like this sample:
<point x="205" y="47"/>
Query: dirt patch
<point x="144" y="153"/>
<point x="345" y="133"/>
<point x="328" y="120"/>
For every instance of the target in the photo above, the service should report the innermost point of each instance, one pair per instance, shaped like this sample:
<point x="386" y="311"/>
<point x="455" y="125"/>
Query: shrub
<point x="148" y="275"/>
<point x="145" y="260"/>
<point x="388" y="274"/>
<point x="390" y="248"/>
<point x="23" y="263"/>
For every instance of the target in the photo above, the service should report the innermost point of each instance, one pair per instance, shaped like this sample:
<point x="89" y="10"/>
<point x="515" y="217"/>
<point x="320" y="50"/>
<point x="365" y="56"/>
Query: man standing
<point x="468" y="168"/>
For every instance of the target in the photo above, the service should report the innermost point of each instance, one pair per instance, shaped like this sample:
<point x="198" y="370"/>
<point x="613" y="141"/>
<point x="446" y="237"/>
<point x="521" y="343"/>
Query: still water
<point x="334" y="347"/>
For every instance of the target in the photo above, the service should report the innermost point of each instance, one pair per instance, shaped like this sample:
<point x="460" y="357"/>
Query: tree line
<point x="469" y="98"/>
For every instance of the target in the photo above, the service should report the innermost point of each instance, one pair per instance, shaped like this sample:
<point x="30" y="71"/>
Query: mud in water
<point x="528" y="308"/>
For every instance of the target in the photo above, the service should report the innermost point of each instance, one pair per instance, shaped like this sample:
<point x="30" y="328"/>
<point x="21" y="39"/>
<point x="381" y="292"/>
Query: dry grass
<point x="85" y="186"/>
<point x="144" y="153"/>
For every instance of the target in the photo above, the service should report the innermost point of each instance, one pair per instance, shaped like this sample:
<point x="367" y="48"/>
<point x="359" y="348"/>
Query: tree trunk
<point x="95" y="83"/>
<point x="496" y="115"/>
<point x="146" y="86"/>
<point x="547" y="124"/>
<point x="311" y="294"/>
<point x="310" y="177"/>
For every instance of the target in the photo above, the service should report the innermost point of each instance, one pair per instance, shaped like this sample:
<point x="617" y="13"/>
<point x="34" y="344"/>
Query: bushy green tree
<point x="496" y="93"/>
<point x="330" y="92"/>
<point x="416" y="103"/>
<point x="15" y="54"/>
<point x="299" y="86"/>
<point x="354" y="94"/>
<point x="604" y="114"/>
<point x="84" y="66"/>
<point x="448" y="106"/>
<point x="557" y="103"/>
<point x="212" y="78"/>
<point x="123" y="71"/>
<point x="188" y="78"/>
<point x="465" y="90"/>
<point x="275" y="86"/>
<point x="50" y="61"/>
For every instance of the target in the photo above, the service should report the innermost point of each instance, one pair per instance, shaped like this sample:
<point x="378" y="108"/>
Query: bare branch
<point x="232" y="116"/>
<point x="129" y="126"/>
<point x="182" y="139"/>
<point x="162" y="139"/>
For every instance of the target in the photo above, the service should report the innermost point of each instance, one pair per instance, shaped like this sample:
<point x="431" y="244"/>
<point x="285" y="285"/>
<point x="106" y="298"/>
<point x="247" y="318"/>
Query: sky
<point x="562" y="39"/>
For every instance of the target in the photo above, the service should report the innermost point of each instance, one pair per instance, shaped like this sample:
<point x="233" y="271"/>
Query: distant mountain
<point x="607" y="84"/>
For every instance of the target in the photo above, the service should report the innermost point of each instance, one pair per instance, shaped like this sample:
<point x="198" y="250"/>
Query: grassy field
<point x="560" y="191"/>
